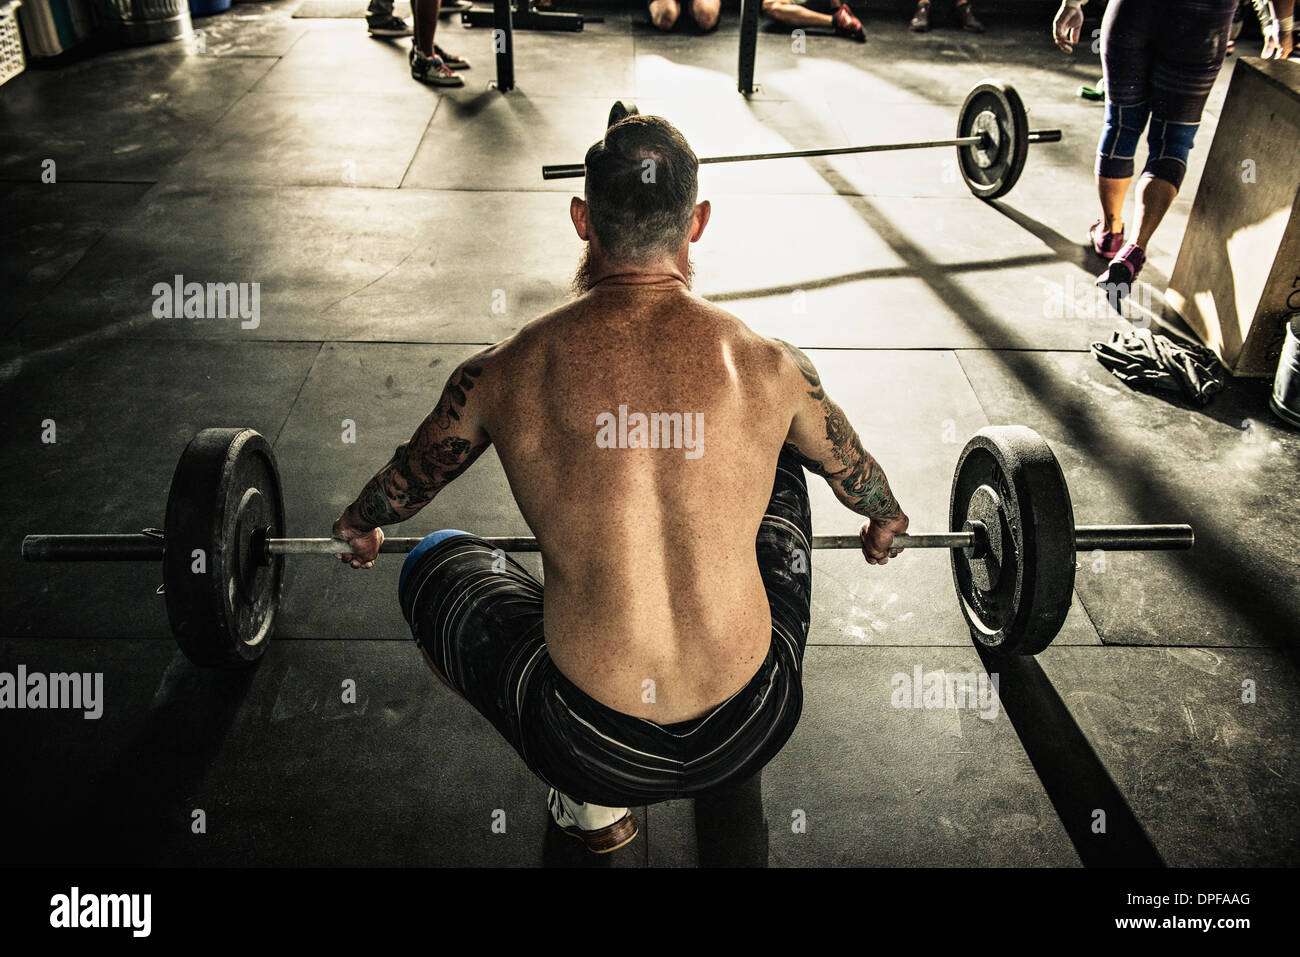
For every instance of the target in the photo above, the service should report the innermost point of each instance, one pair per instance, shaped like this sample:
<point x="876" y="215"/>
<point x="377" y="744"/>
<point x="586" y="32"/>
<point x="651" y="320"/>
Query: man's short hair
<point x="641" y="186"/>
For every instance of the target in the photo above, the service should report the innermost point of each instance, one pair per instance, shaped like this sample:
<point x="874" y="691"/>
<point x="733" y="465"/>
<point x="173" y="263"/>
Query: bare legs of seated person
<point x="826" y="14"/>
<point x="665" y="13"/>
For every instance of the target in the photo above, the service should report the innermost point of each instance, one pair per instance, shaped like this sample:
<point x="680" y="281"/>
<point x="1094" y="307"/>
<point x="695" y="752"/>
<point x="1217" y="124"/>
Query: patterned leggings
<point x="1160" y="59"/>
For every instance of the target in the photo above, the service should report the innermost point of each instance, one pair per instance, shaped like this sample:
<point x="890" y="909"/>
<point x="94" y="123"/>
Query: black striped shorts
<point x="478" y="615"/>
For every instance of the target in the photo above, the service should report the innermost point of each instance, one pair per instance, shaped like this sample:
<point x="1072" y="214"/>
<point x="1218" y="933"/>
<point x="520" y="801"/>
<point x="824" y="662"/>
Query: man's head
<point x="640" y="194"/>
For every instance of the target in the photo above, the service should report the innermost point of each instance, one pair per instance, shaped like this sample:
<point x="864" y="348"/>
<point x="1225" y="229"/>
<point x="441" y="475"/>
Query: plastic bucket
<point x="146" y="21"/>
<point x="1285" y="400"/>
<point x="206" y="8"/>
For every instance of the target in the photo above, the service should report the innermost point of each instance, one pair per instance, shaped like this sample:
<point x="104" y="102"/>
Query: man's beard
<point x="582" y="281"/>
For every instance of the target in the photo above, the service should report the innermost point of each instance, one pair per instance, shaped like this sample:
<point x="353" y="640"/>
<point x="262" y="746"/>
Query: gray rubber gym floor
<point x="392" y="229"/>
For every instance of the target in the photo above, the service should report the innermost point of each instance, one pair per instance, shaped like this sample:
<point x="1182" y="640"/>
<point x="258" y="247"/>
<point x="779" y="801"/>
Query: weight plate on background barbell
<point x="225" y="491"/>
<point x="1008" y="479"/>
<point x="993" y="108"/>
<point x="620" y="111"/>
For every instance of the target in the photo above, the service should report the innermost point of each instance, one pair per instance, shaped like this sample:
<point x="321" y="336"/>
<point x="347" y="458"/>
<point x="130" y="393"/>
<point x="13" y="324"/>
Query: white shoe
<point x="602" y="829"/>
<point x="431" y="70"/>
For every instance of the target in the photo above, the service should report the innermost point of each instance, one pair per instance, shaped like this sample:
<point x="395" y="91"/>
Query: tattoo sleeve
<point x="442" y="448"/>
<point x="852" y="473"/>
<point x="806" y="369"/>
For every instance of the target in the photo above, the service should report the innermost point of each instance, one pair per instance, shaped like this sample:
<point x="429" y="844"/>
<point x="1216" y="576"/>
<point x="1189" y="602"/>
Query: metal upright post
<point x="748" y="44"/>
<point x="503" y="42"/>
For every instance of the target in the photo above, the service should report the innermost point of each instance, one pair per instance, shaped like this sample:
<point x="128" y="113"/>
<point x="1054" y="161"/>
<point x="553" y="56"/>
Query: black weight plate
<point x="1030" y="596"/>
<point x="985" y="509"/>
<point x="226" y="489"/>
<point x="620" y="111"/>
<point x="996" y="108"/>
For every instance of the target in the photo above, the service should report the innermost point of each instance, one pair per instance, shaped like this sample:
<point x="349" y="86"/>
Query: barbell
<point x="222" y="545"/>
<point x="993" y="139"/>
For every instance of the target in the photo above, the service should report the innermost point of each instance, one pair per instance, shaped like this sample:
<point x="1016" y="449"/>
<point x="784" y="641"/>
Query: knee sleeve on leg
<point x="1119" y="139"/>
<point x="1168" y="146"/>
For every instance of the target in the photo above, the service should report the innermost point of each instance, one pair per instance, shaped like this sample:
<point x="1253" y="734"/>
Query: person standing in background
<point x="430" y="63"/>
<point x="961" y="12"/>
<point x="382" y="22"/>
<point x="1160" y="59"/>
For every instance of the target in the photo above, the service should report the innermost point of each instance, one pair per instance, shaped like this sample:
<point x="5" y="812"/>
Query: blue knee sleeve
<point x="1119" y="139"/>
<point x="429" y="541"/>
<point x="1168" y="145"/>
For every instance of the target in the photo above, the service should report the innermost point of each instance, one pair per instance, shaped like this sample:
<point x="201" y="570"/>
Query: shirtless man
<point x="654" y="445"/>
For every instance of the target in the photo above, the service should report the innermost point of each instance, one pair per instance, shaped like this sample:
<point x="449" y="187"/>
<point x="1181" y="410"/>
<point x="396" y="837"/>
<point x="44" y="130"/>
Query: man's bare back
<point x="654" y="605"/>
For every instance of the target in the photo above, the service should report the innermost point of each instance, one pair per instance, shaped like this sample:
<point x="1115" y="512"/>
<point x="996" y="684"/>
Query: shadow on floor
<point x="1074" y="778"/>
<point x="730" y="828"/>
<point x="143" y="799"/>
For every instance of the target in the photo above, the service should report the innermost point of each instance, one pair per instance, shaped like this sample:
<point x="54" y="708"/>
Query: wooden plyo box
<point x="1237" y="277"/>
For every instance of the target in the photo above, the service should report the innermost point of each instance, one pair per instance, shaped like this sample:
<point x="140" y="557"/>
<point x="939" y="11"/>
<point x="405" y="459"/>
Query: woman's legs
<point x="1126" y="38"/>
<point x="1187" y="55"/>
<point x="1154" y="197"/>
<point x="1160" y="62"/>
<point x="1187" y="60"/>
<point x="1112" y="192"/>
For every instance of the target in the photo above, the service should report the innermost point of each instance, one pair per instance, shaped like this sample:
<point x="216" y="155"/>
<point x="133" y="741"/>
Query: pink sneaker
<point x="1123" y="270"/>
<point x="1105" y="243"/>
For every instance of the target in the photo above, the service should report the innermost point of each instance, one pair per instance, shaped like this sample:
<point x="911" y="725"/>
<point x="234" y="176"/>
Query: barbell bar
<point x="992" y="142"/>
<point x="1129" y="538"/>
<point x="149" y="546"/>
<point x="1012" y="540"/>
<point x="979" y="141"/>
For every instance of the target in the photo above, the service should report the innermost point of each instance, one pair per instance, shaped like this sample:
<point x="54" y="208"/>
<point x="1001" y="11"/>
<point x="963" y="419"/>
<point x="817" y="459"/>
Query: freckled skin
<point x="649" y="556"/>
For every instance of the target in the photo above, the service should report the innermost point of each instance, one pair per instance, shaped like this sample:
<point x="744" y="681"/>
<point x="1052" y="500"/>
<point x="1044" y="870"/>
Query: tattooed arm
<point x="447" y="442"/>
<point x="826" y="444"/>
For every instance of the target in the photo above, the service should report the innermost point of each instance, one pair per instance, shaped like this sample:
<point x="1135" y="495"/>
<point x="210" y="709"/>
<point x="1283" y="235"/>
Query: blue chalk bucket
<point x="1285" y="400"/>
